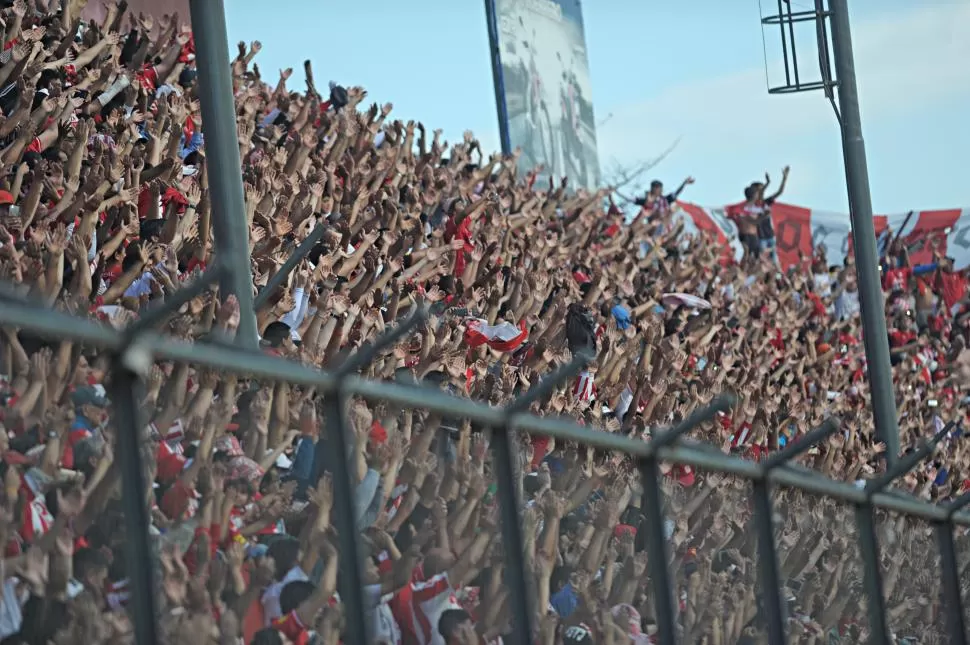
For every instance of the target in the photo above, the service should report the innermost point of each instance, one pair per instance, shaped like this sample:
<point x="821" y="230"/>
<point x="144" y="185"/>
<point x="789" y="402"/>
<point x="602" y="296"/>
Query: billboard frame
<point x="498" y="77"/>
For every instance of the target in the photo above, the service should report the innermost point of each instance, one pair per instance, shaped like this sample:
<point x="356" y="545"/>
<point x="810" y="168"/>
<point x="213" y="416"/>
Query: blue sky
<point x="665" y="70"/>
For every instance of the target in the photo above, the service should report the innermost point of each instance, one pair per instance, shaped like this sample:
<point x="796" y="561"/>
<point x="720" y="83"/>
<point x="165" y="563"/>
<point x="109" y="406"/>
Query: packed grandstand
<point x="105" y="209"/>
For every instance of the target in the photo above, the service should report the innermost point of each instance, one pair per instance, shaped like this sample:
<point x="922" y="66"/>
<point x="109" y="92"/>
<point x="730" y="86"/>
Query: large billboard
<point x="548" y="96"/>
<point x="95" y="9"/>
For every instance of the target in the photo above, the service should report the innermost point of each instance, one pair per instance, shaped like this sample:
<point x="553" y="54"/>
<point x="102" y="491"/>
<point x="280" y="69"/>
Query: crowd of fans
<point x="104" y="209"/>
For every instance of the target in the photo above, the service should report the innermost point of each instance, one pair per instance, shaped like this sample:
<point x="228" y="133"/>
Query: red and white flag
<point x="504" y="337"/>
<point x="585" y="387"/>
<point x="799" y="231"/>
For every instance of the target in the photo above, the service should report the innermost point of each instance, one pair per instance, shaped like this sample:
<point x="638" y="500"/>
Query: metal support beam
<point x="508" y="478"/>
<point x="339" y="442"/>
<point x="864" y="236"/>
<point x="952" y="596"/>
<point x="909" y="462"/>
<point x="548" y="383"/>
<point x="720" y="403"/>
<point x="332" y="453"/>
<point x="653" y="530"/>
<point x="159" y="313"/>
<point x="128" y="430"/>
<point x="800" y="445"/>
<point x="959" y="503"/>
<point x="869" y="547"/>
<point x="223" y="165"/>
<point x="768" y="569"/>
<point x="869" y="543"/>
<point x="658" y="557"/>
<point x="367" y="353"/>
<point x="295" y="258"/>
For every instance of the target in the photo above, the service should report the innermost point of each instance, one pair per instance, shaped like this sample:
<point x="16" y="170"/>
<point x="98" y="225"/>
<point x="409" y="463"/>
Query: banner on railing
<point x="798" y="231"/>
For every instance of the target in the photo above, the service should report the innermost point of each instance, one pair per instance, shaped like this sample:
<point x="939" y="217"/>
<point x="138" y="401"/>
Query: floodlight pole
<point x="864" y="236"/>
<point x="223" y="162"/>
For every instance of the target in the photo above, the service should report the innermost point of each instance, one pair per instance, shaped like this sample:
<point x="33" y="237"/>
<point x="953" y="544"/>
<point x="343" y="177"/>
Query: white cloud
<point x="905" y="62"/>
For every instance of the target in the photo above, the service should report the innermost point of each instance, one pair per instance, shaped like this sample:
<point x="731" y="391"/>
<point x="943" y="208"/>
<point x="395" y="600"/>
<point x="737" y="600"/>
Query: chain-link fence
<point x="856" y="558"/>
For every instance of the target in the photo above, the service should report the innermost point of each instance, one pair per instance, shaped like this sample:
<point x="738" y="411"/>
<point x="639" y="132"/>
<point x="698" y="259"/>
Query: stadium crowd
<point x="105" y="209"/>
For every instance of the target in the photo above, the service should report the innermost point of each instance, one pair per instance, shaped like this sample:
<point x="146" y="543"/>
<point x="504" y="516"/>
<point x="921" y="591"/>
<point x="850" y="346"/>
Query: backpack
<point x="580" y="330"/>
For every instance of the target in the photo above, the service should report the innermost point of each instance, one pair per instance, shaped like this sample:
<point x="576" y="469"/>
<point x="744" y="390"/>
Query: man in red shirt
<point x="950" y="285"/>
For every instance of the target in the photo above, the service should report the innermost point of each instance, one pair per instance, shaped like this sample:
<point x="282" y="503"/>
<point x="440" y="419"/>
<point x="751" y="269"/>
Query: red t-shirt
<point x="898" y="337"/>
<point x="896" y="279"/>
<point x="149" y="78"/>
<point x="291" y="627"/>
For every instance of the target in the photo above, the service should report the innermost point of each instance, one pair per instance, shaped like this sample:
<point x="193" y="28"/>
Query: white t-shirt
<point x="10" y="608"/>
<point x="271" y="597"/>
<point x="386" y="631"/>
<point x="847" y="304"/>
<point x="141" y="286"/>
<point x="823" y="284"/>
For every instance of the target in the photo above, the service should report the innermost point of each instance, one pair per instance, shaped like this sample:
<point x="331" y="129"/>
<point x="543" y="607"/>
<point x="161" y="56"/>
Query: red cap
<point x="6" y="198"/>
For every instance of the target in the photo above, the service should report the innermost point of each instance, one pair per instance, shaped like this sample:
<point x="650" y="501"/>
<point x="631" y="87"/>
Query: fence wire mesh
<point x="850" y="544"/>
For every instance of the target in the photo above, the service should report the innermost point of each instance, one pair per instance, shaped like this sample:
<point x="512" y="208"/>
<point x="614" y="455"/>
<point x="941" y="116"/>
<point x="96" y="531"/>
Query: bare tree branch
<point x="629" y="178"/>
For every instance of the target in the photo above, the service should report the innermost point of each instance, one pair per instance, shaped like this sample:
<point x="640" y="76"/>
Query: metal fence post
<point x="771" y="583"/>
<point x="340" y="440"/>
<point x="950" y="570"/>
<point x="868" y="542"/>
<point x="869" y="546"/>
<point x="657" y="552"/>
<point x="652" y="507"/>
<point x="864" y="235"/>
<point x="224" y="165"/>
<point x="128" y="431"/>
<point x="296" y="256"/>
<point x="507" y="474"/>
<point x="334" y="451"/>
<point x="156" y="314"/>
